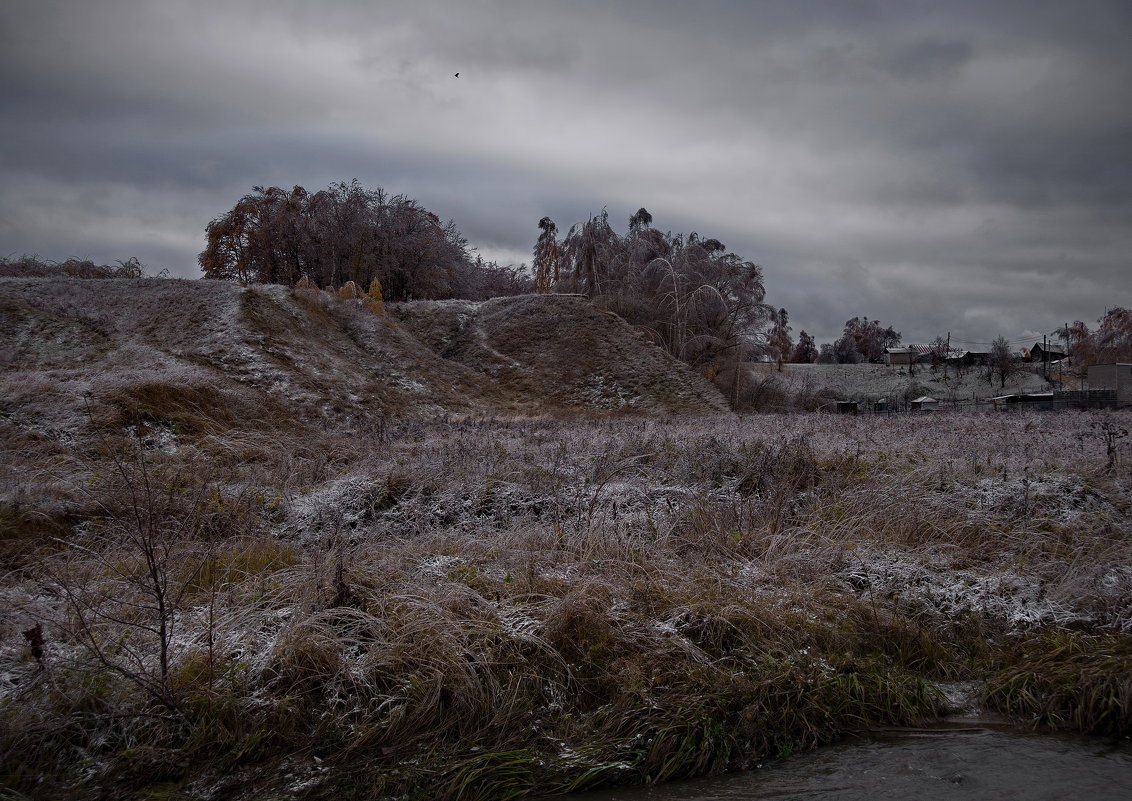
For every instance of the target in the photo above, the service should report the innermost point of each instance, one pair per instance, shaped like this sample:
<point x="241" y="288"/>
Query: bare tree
<point x="146" y="543"/>
<point x="1002" y="362"/>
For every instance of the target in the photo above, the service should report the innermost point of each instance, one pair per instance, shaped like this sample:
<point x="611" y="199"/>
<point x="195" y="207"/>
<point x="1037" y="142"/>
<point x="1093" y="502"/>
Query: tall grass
<point x="489" y="608"/>
<point x="1067" y="679"/>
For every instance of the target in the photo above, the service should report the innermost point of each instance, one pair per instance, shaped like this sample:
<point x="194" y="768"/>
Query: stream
<point x="975" y="763"/>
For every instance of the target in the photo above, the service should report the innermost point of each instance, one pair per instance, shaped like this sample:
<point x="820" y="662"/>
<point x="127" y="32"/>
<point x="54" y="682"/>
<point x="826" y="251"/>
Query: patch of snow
<point x="603" y="393"/>
<point x="406" y="384"/>
<point x="1056" y="496"/>
<point x="439" y="565"/>
<point x="1020" y="600"/>
<point x="154" y="437"/>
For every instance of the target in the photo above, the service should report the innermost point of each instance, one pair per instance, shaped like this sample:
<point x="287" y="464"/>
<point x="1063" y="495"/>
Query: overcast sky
<point x="940" y="166"/>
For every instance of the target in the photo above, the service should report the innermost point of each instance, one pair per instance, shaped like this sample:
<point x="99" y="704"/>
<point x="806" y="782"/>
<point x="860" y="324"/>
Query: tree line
<point x="28" y="266"/>
<point x="862" y="340"/>
<point x="346" y="233"/>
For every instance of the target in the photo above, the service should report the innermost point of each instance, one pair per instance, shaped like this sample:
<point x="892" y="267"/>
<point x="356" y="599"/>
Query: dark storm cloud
<point x="933" y="165"/>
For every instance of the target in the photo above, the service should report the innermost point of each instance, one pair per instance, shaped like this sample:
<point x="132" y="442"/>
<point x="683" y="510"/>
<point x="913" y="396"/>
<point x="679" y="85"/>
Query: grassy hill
<point x="201" y="354"/>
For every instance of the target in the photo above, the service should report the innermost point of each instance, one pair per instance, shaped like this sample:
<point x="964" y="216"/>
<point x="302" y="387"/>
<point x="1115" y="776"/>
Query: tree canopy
<point x="806" y="351"/>
<point x="693" y="297"/>
<point x="862" y="340"/>
<point x="348" y="233"/>
<point x="1110" y="342"/>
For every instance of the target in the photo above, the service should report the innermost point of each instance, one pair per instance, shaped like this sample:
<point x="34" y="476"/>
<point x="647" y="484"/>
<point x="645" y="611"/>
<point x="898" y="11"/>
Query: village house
<point x="925" y="403"/>
<point x="974" y="358"/>
<point x="925" y="354"/>
<point x="1046" y="353"/>
<point x="897" y="356"/>
<point x="1041" y="401"/>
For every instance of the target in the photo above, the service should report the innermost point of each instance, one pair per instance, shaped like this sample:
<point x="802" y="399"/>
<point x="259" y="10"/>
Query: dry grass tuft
<point x="1067" y="680"/>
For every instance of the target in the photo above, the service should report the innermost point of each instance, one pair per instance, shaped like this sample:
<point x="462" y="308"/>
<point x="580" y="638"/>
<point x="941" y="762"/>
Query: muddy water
<point x="969" y="764"/>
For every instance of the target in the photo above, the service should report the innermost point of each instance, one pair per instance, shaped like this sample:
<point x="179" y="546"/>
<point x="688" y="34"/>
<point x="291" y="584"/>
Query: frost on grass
<point x="1056" y="496"/>
<point x="894" y="580"/>
<point x="603" y="393"/>
<point x="541" y="576"/>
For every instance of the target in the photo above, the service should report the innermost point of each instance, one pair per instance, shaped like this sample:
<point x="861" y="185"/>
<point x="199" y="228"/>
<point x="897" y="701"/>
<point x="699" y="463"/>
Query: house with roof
<point x="973" y="358"/>
<point x="1046" y="353"/>
<point x="918" y="354"/>
<point x="898" y="356"/>
<point x="1025" y="400"/>
<point x="925" y="403"/>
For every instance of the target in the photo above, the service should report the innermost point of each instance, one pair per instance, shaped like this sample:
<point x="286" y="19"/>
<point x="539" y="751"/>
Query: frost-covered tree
<point x="640" y="221"/>
<point x="779" y="345"/>
<point x="339" y="234"/>
<point x="845" y="351"/>
<point x="1112" y="341"/>
<point x="693" y="297"/>
<point x="868" y="338"/>
<point x="806" y="351"/>
<point x="546" y="256"/>
<point x="1079" y="345"/>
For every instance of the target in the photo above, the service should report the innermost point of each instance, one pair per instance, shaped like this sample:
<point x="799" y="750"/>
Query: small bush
<point x="35" y="267"/>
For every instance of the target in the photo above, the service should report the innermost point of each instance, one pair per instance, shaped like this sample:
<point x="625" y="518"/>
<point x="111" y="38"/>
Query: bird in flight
<point x="457" y="75"/>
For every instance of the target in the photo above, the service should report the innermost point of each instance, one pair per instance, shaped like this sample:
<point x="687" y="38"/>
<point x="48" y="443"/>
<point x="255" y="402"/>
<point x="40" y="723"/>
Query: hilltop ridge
<point x="212" y="351"/>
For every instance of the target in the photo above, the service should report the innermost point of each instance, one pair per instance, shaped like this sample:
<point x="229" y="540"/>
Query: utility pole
<point x="1061" y="364"/>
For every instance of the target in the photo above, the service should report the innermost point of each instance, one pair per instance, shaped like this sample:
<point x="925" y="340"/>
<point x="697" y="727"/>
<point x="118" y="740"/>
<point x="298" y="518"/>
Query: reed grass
<point x="1067" y="680"/>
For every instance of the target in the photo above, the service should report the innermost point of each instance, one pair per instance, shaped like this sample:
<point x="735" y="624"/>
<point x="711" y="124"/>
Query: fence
<point x="1062" y="400"/>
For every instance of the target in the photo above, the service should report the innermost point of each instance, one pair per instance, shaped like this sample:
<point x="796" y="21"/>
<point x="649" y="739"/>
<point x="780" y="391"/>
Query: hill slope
<point x="215" y="352"/>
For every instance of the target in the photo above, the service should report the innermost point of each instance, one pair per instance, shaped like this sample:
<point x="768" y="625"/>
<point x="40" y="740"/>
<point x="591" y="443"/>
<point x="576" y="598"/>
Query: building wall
<point x="1113" y="376"/>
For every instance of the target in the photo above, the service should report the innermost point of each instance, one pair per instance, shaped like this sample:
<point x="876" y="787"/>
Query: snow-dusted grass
<point x="487" y="608"/>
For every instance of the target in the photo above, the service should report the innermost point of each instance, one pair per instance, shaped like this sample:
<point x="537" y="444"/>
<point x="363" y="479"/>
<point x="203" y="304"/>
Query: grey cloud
<point x="958" y="154"/>
<point x="928" y="59"/>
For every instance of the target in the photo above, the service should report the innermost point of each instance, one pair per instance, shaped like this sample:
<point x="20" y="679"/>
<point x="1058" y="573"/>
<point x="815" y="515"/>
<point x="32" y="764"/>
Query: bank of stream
<point x="969" y="761"/>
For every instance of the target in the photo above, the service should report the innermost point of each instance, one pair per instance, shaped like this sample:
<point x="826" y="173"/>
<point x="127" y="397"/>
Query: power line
<point x="1015" y="341"/>
<point x="1018" y="340"/>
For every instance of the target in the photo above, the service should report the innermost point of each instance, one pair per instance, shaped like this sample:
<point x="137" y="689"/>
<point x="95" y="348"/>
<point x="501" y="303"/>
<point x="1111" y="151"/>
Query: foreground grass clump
<point x="493" y="609"/>
<point x="1068" y="680"/>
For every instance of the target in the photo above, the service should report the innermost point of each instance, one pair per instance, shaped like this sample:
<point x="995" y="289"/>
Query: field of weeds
<point x="496" y="609"/>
